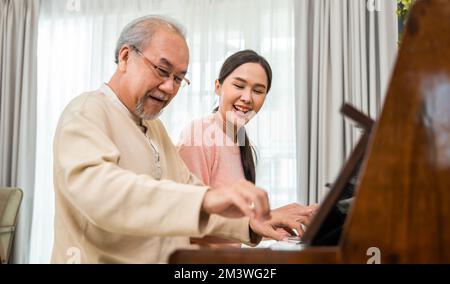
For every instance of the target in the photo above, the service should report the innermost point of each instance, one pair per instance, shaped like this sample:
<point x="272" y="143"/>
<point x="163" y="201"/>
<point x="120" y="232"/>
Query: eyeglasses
<point x="179" y="80"/>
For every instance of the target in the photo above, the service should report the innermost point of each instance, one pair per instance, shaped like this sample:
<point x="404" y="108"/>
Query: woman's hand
<point x="284" y="221"/>
<point x="304" y="214"/>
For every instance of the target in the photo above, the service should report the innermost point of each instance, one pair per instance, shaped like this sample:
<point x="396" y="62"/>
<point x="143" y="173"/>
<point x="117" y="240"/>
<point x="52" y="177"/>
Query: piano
<point x="401" y="208"/>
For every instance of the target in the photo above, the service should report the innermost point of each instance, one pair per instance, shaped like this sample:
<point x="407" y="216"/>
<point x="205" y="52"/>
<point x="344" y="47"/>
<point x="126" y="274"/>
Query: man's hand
<point x="238" y="200"/>
<point x="284" y="220"/>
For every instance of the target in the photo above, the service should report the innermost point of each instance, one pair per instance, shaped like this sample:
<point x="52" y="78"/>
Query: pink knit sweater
<point x="209" y="153"/>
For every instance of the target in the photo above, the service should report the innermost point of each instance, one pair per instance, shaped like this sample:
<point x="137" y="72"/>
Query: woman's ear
<point x="217" y="87"/>
<point x="123" y="58"/>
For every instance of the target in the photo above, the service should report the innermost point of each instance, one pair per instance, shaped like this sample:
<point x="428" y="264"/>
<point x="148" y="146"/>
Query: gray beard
<point x="141" y="112"/>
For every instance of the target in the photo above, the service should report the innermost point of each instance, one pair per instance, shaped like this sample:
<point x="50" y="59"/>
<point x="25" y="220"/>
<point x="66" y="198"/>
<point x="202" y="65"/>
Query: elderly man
<point x="123" y="195"/>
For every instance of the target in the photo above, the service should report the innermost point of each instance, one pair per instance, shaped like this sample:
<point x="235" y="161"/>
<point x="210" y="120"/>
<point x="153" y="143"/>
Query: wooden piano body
<point x="402" y="205"/>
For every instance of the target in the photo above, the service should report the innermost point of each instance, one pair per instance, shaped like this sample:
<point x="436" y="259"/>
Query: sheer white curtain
<point x="18" y="39"/>
<point x="75" y="54"/>
<point x="345" y="51"/>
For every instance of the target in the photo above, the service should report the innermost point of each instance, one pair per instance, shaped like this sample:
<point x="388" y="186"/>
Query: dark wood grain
<point x="328" y="255"/>
<point x="402" y="205"/>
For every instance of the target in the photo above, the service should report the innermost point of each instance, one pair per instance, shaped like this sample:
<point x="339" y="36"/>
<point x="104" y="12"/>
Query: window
<point x="75" y="54"/>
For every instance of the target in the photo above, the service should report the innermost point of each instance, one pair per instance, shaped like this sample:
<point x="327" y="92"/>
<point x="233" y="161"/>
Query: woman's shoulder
<point x="197" y="132"/>
<point x="204" y="122"/>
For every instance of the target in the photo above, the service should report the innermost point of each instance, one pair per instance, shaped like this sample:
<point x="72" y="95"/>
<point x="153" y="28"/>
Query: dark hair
<point x="248" y="153"/>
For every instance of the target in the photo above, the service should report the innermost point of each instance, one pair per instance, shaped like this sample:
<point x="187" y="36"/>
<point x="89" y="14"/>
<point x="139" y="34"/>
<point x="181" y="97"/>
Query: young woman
<point x="216" y="148"/>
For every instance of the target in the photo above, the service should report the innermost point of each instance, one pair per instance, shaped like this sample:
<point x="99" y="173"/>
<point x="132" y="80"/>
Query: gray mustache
<point x="159" y="96"/>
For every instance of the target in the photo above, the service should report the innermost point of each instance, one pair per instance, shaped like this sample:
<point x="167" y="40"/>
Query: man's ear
<point x="217" y="87"/>
<point x="124" y="55"/>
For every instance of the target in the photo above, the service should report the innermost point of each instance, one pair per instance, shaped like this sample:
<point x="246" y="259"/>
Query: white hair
<point x="139" y="32"/>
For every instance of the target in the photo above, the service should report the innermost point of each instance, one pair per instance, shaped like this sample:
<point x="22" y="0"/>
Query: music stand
<point x="323" y="230"/>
